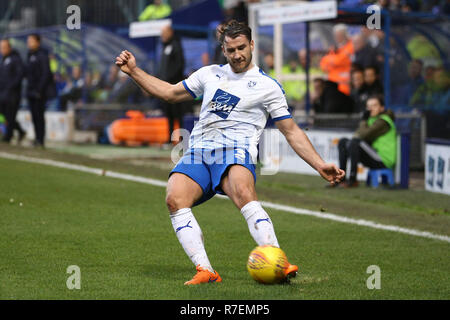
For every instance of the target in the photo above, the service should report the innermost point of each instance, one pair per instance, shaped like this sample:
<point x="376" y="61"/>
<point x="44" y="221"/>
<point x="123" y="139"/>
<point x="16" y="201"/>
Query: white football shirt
<point x="235" y="107"/>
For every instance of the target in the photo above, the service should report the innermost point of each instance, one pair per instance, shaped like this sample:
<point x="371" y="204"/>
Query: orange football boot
<point x="204" y="276"/>
<point x="291" y="271"/>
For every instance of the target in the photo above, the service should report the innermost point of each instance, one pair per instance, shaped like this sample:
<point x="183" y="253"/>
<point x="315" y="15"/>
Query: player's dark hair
<point x="233" y="29"/>
<point x="36" y="36"/>
<point x="378" y="97"/>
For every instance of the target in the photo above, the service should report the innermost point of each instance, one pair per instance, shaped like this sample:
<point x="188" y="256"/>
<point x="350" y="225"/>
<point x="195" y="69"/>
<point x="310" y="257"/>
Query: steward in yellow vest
<point x="374" y="144"/>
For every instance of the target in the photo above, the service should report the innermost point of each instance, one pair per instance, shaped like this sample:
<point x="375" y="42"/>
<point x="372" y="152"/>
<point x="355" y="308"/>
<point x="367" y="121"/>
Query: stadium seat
<point x="373" y="177"/>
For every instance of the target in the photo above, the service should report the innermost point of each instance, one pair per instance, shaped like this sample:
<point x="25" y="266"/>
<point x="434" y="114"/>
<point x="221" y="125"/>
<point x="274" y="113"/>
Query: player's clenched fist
<point x="126" y="61"/>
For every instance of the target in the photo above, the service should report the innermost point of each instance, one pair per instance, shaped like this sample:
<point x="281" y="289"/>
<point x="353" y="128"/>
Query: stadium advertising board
<point x="148" y="28"/>
<point x="58" y="125"/>
<point x="297" y="12"/>
<point x="277" y="156"/>
<point x="437" y="168"/>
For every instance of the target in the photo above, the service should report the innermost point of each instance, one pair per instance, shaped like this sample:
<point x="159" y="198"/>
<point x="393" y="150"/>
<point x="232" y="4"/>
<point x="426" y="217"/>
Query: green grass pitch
<point x="120" y="235"/>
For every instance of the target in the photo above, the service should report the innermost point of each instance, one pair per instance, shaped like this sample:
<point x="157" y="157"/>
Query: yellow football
<point x="267" y="264"/>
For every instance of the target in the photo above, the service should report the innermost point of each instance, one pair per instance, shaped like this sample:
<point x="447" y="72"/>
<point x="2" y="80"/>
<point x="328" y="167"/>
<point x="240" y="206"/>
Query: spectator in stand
<point x="415" y="77"/>
<point x="365" y="55"/>
<point x="93" y="86"/>
<point x="372" y="83"/>
<point x="238" y="11"/>
<point x="156" y="10"/>
<point x="293" y="88"/>
<point x="72" y="92"/>
<point x="433" y="93"/>
<point x="410" y="5"/>
<point x="375" y="40"/>
<point x="107" y="83"/>
<point x="337" y="63"/>
<point x="314" y="72"/>
<point x="268" y="63"/>
<point x="111" y="78"/>
<point x="328" y="99"/>
<point x="358" y="94"/>
<point x="384" y="4"/>
<point x="395" y="5"/>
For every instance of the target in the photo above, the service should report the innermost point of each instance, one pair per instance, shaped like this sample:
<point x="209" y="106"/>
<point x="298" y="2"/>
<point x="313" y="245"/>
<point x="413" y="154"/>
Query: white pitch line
<point x="159" y="183"/>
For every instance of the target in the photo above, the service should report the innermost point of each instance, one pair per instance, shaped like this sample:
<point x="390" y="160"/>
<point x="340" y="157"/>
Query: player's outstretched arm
<point x="172" y="93"/>
<point x="299" y="141"/>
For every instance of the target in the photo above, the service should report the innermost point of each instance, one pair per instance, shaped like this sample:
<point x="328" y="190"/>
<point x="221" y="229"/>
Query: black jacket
<point x="332" y="100"/>
<point x="11" y="75"/>
<point x="39" y="76"/>
<point x="171" y="64"/>
<point x="374" y="88"/>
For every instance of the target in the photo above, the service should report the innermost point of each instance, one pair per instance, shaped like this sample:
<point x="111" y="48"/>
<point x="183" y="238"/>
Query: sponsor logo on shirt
<point x="223" y="103"/>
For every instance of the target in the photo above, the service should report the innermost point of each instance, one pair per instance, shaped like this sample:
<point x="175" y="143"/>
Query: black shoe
<point x="38" y="145"/>
<point x="22" y="135"/>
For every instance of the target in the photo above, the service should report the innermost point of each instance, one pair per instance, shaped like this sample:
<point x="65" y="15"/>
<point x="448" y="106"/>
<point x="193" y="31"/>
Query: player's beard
<point x="241" y="66"/>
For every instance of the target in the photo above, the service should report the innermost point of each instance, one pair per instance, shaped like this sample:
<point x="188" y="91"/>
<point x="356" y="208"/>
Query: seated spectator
<point x="433" y="94"/>
<point x="395" y="5"/>
<point x="374" y="144"/>
<point x="384" y="4"/>
<point x="410" y="5"/>
<point x="415" y="79"/>
<point x="124" y="91"/>
<point x="238" y="10"/>
<point x="357" y="93"/>
<point x="111" y="78"/>
<point x="328" y="99"/>
<point x="372" y="83"/>
<point x="157" y="10"/>
<point x="92" y="86"/>
<point x="107" y="83"/>
<point x="269" y="64"/>
<point x="293" y="88"/>
<point x="73" y="90"/>
<point x="314" y="72"/>
<point x="337" y="63"/>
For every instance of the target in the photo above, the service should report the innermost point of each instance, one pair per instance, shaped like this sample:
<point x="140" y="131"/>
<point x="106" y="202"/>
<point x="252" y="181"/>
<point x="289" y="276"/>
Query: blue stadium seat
<point x="373" y="177"/>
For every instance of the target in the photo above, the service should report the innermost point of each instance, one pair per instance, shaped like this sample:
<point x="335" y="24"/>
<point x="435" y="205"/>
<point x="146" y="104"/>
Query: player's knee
<point x="173" y="202"/>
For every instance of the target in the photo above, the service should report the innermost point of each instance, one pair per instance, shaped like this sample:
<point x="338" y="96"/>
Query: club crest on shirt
<point x="223" y="103"/>
<point x="251" y="84"/>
